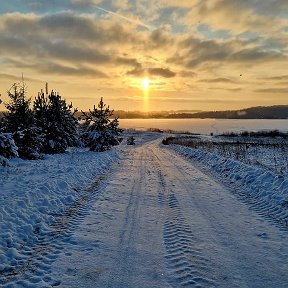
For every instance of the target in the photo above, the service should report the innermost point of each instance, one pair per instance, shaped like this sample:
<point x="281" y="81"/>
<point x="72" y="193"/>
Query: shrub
<point x="8" y="149"/>
<point x="131" y="140"/>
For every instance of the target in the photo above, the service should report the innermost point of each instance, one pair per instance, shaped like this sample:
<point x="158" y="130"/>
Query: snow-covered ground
<point x="142" y="216"/>
<point x="263" y="188"/>
<point x="35" y="197"/>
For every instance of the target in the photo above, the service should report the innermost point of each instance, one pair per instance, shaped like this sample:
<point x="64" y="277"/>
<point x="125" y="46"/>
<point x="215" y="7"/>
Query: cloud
<point x="226" y="89"/>
<point x="160" y="37"/>
<point x="283" y="83"/>
<point x="72" y="41"/>
<point x="66" y="26"/>
<point x="80" y="39"/>
<point x="217" y="80"/>
<point x="85" y="3"/>
<point x="188" y="74"/>
<point x="163" y="72"/>
<point x="52" y="67"/>
<point x="14" y="78"/>
<point x="272" y="90"/>
<point x="278" y="78"/>
<point x="237" y="16"/>
<point x="275" y="7"/>
<point x="193" y="52"/>
<point x="128" y="61"/>
<point x="255" y="55"/>
<point x="182" y="3"/>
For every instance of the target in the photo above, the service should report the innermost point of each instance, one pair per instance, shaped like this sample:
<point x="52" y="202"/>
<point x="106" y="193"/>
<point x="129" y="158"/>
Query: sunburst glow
<point x="146" y="83"/>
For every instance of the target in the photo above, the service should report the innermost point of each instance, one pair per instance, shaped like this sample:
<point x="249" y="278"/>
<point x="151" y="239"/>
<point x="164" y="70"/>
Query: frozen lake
<point x="206" y="126"/>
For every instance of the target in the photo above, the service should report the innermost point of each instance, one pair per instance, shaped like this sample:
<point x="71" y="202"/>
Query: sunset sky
<point x="148" y="54"/>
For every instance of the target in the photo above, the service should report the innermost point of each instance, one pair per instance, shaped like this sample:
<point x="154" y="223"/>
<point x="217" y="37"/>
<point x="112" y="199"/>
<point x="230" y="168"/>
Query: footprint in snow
<point x="263" y="235"/>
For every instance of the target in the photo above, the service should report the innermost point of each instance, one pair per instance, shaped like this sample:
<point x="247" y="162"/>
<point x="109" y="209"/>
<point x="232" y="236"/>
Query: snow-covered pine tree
<point x="19" y="115"/>
<point x="8" y="149"/>
<point x="29" y="142"/>
<point x="57" y="121"/>
<point x="20" y="121"/>
<point x="99" y="132"/>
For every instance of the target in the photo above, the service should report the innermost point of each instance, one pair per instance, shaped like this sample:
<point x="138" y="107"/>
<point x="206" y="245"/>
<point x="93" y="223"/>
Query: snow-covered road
<point x="158" y="221"/>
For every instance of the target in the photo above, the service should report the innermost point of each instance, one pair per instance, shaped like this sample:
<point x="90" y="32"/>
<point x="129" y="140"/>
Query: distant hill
<point x="147" y="115"/>
<point x="260" y="112"/>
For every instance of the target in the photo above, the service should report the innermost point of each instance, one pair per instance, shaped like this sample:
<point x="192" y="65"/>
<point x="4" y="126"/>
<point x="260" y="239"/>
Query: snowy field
<point x="147" y="215"/>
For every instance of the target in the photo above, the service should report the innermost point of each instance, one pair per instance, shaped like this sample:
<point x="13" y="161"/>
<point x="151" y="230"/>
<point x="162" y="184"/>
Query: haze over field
<point x="148" y="55"/>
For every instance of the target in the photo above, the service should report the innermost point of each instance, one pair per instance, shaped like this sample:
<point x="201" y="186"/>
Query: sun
<point x="146" y="83"/>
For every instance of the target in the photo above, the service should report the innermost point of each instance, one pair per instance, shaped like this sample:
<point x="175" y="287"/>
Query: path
<point x="160" y="222"/>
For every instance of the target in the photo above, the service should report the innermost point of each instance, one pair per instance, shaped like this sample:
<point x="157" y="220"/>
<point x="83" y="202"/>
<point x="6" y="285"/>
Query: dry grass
<point x="267" y="152"/>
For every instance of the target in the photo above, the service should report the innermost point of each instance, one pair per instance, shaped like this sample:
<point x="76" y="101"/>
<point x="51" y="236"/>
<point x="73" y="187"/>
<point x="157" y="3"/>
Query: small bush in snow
<point x="29" y="142"/>
<point x="99" y="132"/>
<point x="131" y="140"/>
<point x="8" y="149"/>
<point x="167" y="140"/>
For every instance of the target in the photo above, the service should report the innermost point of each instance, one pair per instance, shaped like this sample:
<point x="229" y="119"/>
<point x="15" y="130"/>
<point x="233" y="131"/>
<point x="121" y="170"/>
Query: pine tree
<point x="19" y="115"/>
<point x="8" y="148"/>
<point x="100" y="133"/>
<point x="20" y="121"/>
<point x="57" y="121"/>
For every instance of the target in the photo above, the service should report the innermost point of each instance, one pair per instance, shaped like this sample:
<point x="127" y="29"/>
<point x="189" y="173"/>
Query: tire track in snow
<point x="38" y="258"/>
<point x="223" y="236"/>
<point x="132" y="254"/>
<point x="185" y="259"/>
<point x="128" y="230"/>
<point x="161" y="191"/>
<point x="184" y="256"/>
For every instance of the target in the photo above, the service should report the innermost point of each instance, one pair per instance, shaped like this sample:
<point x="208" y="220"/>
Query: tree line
<point x="49" y="125"/>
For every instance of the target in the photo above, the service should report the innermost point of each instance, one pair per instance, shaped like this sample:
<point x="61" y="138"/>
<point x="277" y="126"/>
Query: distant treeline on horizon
<point x="260" y="112"/>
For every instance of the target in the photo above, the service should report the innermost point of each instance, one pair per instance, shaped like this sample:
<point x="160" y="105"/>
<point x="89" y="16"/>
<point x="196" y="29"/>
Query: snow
<point x="34" y="193"/>
<point x="142" y="215"/>
<point x="267" y="190"/>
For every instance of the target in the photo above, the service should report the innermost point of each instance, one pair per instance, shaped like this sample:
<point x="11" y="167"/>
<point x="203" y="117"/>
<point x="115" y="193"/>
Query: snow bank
<point x="266" y="191"/>
<point x="33" y="192"/>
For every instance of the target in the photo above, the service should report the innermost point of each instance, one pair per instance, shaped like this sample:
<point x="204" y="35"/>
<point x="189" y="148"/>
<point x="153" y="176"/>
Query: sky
<point x="194" y="54"/>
